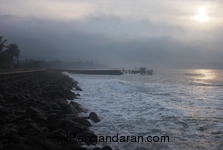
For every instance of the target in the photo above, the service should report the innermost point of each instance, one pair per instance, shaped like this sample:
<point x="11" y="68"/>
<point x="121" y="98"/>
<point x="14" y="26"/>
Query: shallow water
<point x="186" y="105"/>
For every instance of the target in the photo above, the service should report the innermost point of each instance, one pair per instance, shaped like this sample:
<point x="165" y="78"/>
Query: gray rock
<point x="34" y="111"/>
<point x="93" y="116"/>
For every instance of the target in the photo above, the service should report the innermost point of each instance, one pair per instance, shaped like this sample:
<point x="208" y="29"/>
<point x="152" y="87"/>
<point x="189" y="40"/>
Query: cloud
<point x="141" y="33"/>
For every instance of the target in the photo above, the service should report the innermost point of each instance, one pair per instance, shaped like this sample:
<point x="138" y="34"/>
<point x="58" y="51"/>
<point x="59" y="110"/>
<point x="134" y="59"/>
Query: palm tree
<point x="12" y="52"/>
<point x="2" y="46"/>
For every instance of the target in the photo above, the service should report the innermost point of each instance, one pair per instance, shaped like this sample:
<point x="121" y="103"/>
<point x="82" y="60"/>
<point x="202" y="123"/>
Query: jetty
<point x="142" y="71"/>
<point x="96" y="72"/>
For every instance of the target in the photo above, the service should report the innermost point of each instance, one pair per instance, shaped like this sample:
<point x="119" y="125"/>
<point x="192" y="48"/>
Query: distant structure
<point x="142" y="71"/>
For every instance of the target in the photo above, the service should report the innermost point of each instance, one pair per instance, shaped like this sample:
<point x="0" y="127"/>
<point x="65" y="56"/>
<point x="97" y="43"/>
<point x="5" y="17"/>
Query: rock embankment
<point x="35" y="114"/>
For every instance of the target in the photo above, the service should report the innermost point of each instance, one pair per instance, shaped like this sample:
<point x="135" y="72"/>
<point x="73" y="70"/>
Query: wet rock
<point x="12" y="135"/>
<point x="59" y="113"/>
<point x="88" y="137"/>
<point x="93" y="116"/>
<point x="26" y="121"/>
<point x="12" y="146"/>
<point x="34" y="111"/>
<point x="19" y="118"/>
<point x="81" y="121"/>
<point x="103" y="148"/>
<point x="20" y="112"/>
<point x="77" y="107"/>
<point x="106" y="148"/>
<point x="32" y="140"/>
<point x="69" y="125"/>
<point x="32" y="129"/>
<point x="2" y="121"/>
<point x="57" y="133"/>
<point x="52" y="118"/>
<point x="55" y="106"/>
<point x="4" y="111"/>
<point x="43" y="135"/>
<point x="78" y="89"/>
<point x="69" y="95"/>
<point x="48" y="145"/>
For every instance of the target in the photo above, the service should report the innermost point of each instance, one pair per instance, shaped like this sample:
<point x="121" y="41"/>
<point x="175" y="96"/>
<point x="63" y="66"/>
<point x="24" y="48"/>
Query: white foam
<point x="142" y="105"/>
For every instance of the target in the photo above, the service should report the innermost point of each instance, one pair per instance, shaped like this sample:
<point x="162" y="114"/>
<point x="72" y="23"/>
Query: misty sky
<point x="161" y="33"/>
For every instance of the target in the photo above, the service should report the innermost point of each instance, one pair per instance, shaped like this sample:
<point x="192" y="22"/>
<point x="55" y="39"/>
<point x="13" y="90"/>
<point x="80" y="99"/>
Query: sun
<point x="202" y="16"/>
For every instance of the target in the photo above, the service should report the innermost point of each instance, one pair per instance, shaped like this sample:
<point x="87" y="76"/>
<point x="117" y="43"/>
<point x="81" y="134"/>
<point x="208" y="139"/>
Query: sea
<point x="184" y="105"/>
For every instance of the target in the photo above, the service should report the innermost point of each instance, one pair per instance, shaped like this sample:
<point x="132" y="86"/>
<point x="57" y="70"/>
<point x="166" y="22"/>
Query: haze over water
<point x="186" y="105"/>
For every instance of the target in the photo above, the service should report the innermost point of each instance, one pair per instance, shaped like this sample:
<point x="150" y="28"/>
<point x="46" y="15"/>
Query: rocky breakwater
<point x="35" y="114"/>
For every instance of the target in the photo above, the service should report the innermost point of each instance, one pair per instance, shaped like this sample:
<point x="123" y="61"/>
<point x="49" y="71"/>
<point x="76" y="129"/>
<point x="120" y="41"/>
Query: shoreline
<point x="34" y="111"/>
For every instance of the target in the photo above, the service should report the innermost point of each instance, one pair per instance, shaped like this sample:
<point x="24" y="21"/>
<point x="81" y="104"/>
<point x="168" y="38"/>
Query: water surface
<point x="186" y="105"/>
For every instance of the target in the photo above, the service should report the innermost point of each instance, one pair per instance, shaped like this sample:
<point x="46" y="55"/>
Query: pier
<point x="97" y="72"/>
<point x="142" y="71"/>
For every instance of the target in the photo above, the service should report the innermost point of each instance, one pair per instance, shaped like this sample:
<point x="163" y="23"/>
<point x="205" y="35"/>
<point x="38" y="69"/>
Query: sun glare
<point x="202" y="17"/>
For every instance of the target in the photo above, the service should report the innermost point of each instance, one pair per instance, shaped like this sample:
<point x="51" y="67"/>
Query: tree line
<point x="58" y="64"/>
<point x="8" y="53"/>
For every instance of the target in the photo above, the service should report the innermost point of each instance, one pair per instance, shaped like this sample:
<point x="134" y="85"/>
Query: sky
<point x="120" y="34"/>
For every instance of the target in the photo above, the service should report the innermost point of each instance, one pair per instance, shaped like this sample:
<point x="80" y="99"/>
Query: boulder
<point x="4" y="111"/>
<point x="12" y="135"/>
<point x="58" y="132"/>
<point x="55" y="106"/>
<point x="78" y="89"/>
<point x="88" y="137"/>
<point x="34" y="111"/>
<point x="32" y="129"/>
<point x="93" y="116"/>
<point x="103" y="148"/>
<point x="48" y="145"/>
<point x="81" y="121"/>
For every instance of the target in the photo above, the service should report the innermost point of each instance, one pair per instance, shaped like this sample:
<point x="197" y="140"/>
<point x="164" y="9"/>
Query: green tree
<point x="12" y="52"/>
<point x="2" y="54"/>
<point x="2" y="44"/>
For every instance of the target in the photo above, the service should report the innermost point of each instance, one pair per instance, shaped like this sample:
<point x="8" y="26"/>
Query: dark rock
<point x="69" y="95"/>
<point x="32" y="129"/>
<point x="26" y="121"/>
<point x="77" y="107"/>
<point x="59" y="113"/>
<point x="2" y="121"/>
<point x="88" y="137"/>
<point x="56" y="133"/>
<point x="106" y="148"/>
<point x="48" y="145"/>
<point x="13" y="146"/>
<point x="52" y="118"/>
<point x="4" y="111"/>
<point x="55" y="106"/>
<point x="32" y="140"/>
<point x="12" y="135"/>
<point x="78" y="89"/>
<point x="19" y="118"/>
<point x="20" y="112"/>
<point x="103" y="148"/>
<point x="43" y="135"/>
<point x="81" y="121"/>
<point x="34" y="111"/>
<point x="68" y="125"/>
<point x="93" y="116"/>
